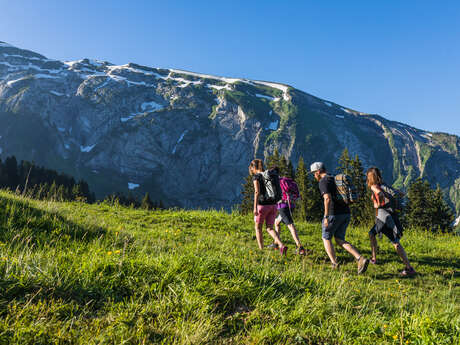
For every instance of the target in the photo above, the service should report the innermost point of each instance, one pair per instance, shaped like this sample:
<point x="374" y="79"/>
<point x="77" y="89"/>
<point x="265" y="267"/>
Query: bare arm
<point x="256" y="196"/>
<point x="327" y="204"/>
<point x="378" y="195"/>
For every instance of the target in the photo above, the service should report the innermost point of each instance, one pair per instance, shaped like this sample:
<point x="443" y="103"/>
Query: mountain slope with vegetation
<point x="102" y="274"/>
<point x="131" y="128"/>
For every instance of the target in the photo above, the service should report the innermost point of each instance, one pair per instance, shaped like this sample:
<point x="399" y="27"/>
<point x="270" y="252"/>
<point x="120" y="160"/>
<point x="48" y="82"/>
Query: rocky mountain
<point x="188" y="138"/>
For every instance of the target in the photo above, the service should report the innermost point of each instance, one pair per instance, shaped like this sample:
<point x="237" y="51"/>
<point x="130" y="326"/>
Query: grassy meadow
<point x="73" y="273"/>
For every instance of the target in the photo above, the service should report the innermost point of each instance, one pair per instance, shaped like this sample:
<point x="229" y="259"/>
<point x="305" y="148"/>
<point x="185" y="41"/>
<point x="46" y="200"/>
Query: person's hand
<point x="326" y="222"/>
<point x="256" y="213"/>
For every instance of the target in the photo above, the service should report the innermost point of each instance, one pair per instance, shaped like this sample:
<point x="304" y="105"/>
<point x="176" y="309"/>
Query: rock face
<point x="188" y="138"/>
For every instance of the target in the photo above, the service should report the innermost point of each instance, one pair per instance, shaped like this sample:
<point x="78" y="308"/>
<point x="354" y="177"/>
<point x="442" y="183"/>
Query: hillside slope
<point x="173" y="133"/>
<point x="99" y="274"/>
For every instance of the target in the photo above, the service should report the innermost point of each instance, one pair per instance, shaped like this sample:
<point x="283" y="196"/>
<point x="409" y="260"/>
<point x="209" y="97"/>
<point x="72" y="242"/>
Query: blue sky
<point x="399" y="59"/>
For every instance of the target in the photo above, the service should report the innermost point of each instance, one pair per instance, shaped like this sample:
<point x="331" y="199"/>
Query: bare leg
<point x="293" y="231"/>
<point x="402" y="254"/>
<point x="277" y="226"/>
<point x="330" y="250"/>
<point x="259" y="235"/>
<point x="374" y="246"/>
<point x="274" y="235"/>
<point x="348" y="247"/>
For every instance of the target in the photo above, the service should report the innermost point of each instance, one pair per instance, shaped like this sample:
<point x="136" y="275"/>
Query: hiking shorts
<point x="285" y="216"/>
<point x="337" y="226"/>
<point x="267" y="214"/>
<point x="387" y="224"/>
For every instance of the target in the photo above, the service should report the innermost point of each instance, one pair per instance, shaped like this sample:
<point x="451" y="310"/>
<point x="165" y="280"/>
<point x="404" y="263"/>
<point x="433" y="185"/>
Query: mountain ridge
<point x="173" y="132"/>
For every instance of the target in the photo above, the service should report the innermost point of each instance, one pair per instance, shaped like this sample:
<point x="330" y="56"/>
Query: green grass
<point x="74" y="273"/>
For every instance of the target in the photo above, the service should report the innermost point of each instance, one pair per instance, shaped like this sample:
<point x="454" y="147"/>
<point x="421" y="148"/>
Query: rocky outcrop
<point x="188" y="138"/>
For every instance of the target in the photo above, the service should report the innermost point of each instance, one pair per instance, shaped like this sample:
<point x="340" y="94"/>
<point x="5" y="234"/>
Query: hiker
<point x="386" y="219"/>
<point x="267" y="192"/>
<point x="336" y="218"/>
<point x="285" y="207"/>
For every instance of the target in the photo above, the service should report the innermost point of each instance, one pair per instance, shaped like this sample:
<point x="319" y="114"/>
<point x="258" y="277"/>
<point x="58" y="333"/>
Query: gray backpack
<point x="271" y="191"/>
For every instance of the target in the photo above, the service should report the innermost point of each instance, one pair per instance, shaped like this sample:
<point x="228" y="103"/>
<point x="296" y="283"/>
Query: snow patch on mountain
<point x="219" y="87"/>
<point x="147" y="107"/>
<point x="340" y="116"/>
<point x="56" y="93"/>
<point x="267" y="97"/>
<point x="152" y="106"/>
<point x="273" y="125"/>
<point x="179" y="141"/>
<point x="132" y="185"/>
<point x="329" y="104"/>
<point x="208" y="76"/>
<point x="281" y="87"/>
<point x="87" y="148"/>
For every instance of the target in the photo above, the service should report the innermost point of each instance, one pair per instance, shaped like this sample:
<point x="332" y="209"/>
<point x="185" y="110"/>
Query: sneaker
<point x="272" y="246"/>
<point x="362" y="264"/>
<point x="283" y="250"/>
<point x="373" y="261"/>
<point x="301" y="251"/>
<point x="408" y="272"/>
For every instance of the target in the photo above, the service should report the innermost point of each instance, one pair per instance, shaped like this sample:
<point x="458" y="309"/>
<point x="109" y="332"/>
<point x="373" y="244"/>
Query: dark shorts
<point x="388" y="224"/>
<point x="285" y="216"/>
<point x="337" y="226"/>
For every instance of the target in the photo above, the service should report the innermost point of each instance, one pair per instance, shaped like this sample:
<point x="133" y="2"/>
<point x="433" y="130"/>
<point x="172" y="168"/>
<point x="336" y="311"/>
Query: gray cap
<point x="316" y="166"/>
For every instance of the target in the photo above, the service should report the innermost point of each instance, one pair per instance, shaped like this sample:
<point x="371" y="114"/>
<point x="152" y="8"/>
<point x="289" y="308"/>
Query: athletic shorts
<point x="337" y="226"/>
<point x="285" y="216"/>
<point x="267" y="214"/>
<point x="387" y="224"/>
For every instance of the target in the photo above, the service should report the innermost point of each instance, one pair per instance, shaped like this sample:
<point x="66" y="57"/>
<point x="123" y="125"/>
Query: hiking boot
<point x="408" y="272"/>
<point x="272" y="246"/>
<point x="362" y="264"/>
<point x="301" y="251"/>
<point x="283" y="250"/>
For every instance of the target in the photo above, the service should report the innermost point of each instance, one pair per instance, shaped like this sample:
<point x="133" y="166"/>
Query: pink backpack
<point x="289" y="189"/>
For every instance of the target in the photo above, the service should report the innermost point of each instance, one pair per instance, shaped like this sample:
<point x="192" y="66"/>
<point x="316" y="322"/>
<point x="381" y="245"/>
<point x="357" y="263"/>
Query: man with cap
<point x="336" y="218"/>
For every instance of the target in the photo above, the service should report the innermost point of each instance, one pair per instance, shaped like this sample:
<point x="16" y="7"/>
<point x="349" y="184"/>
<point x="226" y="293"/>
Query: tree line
<point x="37" y="182"/>
<point x="40" y="183"/>
<point x="421" y="207"/>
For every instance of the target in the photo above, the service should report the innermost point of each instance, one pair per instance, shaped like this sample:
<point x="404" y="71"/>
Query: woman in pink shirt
<point x="264" y="211"/>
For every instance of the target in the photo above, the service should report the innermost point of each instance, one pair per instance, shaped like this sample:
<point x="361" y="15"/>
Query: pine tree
<point x="427" y="209"/>
<point x="345" y="163"/>
<point x="273" y="160"/>
<point x="11" y="172"/>
<point x="283" y="166"/>
<point x="362" y="211"/>
<point x="290" y="170"/>
<point x="314" y="200"/>
<point x="146" y="203"/>
<point x="247" y="192"/>
<point x="442" y="215"/>
<point x="301" y="180"/>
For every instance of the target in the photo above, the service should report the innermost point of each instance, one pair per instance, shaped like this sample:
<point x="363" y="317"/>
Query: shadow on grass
<point x="437" y="262"/>
<point x="21" y="222"/>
